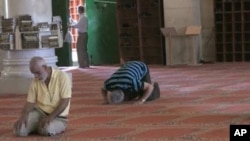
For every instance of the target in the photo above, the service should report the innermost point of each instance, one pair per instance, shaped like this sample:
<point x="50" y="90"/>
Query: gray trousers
<point x="58" y="125"/>
<point x="82" y="50"/>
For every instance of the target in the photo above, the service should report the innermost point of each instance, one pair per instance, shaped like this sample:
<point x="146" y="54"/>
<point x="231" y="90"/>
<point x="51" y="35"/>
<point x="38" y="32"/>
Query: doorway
<point x="73" y="14"/>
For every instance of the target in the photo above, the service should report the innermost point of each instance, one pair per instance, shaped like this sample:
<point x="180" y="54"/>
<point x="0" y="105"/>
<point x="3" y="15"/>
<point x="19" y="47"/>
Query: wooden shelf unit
<point x="232" y="30"/>
<point x="139" y="23"/>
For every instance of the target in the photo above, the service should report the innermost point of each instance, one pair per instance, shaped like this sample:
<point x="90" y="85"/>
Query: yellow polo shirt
<point x="48" y="98"/>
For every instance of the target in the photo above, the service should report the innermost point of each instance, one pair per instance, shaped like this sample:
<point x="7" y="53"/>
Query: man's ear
<point x="45" y="66"/>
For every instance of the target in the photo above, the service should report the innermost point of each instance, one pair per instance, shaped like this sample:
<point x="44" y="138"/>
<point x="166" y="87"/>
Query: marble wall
<point x="183" y="13"/>
<point x="207" y="22"/>
<point x="180" y="14"/>
<point x="1" y="14"/>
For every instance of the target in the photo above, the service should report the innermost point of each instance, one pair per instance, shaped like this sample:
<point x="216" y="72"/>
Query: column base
<point x="14" y="85"/>
<point x="18" y="85"/>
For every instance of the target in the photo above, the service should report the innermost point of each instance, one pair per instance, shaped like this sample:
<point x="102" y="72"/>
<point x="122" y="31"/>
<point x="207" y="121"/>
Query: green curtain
<point x="103" y="41"/>
<point x="64" y="54"/>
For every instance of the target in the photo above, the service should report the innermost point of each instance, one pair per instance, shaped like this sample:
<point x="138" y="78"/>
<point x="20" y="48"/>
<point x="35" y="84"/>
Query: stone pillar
<point x="15" y="74"/>
<point x="180" y="14"/>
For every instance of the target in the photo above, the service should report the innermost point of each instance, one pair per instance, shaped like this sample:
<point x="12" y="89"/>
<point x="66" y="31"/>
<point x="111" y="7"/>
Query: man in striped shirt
<point x="130" y="82"/>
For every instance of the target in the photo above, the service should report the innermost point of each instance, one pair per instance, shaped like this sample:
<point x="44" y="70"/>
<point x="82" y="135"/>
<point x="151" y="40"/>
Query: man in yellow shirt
<point x="48" y="101"/>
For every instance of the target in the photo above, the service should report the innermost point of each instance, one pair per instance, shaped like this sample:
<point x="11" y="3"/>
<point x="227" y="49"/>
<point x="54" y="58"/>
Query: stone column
<point x="15" y="74"/>
<point x="180" y="14"/>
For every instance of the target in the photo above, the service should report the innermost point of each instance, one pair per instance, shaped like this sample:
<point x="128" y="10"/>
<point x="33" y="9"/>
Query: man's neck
<point x="81" y="15"/>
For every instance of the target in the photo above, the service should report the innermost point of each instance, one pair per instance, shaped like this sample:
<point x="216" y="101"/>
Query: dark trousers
<point x="154" y="95"/>
<point x="82" y="51"/>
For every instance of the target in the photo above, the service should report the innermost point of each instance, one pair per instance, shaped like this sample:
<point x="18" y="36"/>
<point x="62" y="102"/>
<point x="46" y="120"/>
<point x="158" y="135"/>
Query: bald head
<point x="37" y="62"/>
<point x="38" y="67"/>
<point x="115" y="96"/>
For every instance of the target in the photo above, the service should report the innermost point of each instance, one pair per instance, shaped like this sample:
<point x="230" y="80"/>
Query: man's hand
<point x="45" y="122"/>
<point x="147" y="90"/>
<point x="139" y="102"/>
<point x="24" y="117"/>
<point x="20" y="122"/>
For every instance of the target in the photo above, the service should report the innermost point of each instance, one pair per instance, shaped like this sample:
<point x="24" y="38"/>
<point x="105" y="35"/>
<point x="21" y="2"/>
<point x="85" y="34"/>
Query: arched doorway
<point x="73" y="14"/>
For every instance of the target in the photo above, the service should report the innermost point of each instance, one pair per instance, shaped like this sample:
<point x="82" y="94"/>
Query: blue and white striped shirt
<point x="128" y="77"/>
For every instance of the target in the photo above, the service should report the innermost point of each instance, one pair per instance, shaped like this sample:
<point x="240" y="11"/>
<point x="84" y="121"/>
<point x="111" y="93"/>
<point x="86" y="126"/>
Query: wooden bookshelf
<point x="139" y="24"/>
<point x="232" y="30"/>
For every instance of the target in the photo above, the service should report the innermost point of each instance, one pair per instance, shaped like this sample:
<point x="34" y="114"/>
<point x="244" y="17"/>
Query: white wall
<point x="40" y="10"/>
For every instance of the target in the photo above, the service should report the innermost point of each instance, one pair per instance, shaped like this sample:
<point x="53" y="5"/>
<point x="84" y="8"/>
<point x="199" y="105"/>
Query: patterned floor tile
<point x="215" y="134"/>
<point x="101" y="133"/>
<point x="165" y="133"/>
